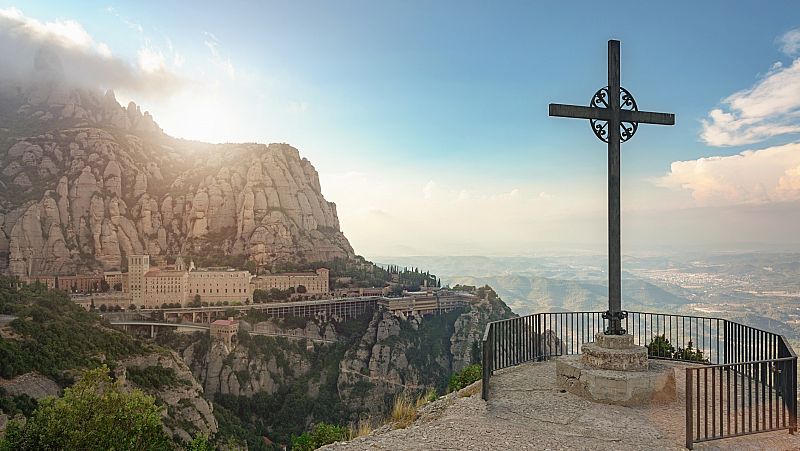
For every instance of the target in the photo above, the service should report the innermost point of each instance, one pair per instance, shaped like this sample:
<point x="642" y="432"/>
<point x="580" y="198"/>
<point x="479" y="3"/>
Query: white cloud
<point x="66" y="33"/>
<point x="66" y="47"/>
<point x="790" y="42"/>
<point x="224" y="63"/>
<point x="150" y="60"/>
<point x="135" y="26"/>
<point x="770" y="108"/>
<point x="751" y="177"/>
<point x="428" y="190"/>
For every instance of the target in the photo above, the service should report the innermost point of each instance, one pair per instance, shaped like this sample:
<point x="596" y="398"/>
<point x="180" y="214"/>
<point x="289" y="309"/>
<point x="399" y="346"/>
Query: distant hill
<point x="549" y="283"/>
<point x="528" y="294"/>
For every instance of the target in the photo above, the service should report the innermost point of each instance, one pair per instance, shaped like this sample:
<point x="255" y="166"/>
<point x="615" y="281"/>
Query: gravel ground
<point x="526" y="410"/>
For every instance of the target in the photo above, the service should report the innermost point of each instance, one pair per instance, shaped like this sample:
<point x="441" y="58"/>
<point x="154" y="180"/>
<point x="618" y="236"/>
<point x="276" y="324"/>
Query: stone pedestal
<point x="613" y="370"/>
<point x="614" y="352"/>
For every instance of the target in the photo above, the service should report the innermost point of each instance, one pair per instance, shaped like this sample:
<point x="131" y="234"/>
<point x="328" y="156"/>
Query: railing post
<point x="486" y="361"/>
<point x="539" y="342"/>
<point x="793" y="397"/>
<point x="689" y="411"/>
<point x="726" y="348"/>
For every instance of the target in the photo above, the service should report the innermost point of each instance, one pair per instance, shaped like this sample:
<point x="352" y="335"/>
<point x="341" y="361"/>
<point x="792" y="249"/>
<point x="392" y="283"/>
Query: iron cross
<point x="614" y="118"/>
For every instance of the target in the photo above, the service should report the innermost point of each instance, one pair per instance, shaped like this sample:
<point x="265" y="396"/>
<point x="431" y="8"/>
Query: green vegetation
<point x="498" y="308"/>
<point x="200" y="443"/>
<point x="428" y="346"/>
<point x="232" y="429"/>
<point x="322" y="434"/>
<point x="273" y="295"/>
<point x="154" y="377"/>
<point x="55" y="336"/>
<point x="353" y="329"/>
<point x="661" y="347"/>
<point x="293" y="322"/>
<point x="18" y="404"/>
<point x="365" y="273"/>
<point x="690" y="353"/>
<point x="96" y="413"/>
<point x="464" y="378"/>
<point x="285" y="413"/>
<point x="209" y="251"/>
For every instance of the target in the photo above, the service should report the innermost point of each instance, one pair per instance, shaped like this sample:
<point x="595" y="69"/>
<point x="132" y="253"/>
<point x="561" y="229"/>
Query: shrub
<point x="465" y="377"/>
<point x="360" y="429"/>
<point x="154" y="377"/>
<point x="96" y="413"/>
<point x="322" y="434"/>
<point x="660" y="347"/>
<point x="690" y="353"/>
<point x="404" y="411"/>
<point x="405" y="408"/>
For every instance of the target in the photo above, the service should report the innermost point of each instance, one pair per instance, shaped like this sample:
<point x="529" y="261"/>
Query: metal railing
<point x="745" y="380"/>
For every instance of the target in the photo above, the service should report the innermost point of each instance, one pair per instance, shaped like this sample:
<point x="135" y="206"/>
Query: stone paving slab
<point x="527" y="411"/>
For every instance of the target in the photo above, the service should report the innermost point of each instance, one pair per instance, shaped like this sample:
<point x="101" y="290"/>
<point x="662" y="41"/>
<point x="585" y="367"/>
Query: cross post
<point x="614" y="117"/>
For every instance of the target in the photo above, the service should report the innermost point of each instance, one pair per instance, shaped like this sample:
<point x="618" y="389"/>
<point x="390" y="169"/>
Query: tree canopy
<point x="95" y="413"/>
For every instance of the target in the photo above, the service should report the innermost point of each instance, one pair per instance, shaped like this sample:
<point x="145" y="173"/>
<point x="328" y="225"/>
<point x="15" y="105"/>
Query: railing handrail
<point x="702" y="365"/>
<point x="788" y="346"/>
<point x="715" y="318"/>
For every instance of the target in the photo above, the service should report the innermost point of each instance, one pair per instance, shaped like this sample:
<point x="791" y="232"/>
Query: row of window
<point x="233" y="290"/>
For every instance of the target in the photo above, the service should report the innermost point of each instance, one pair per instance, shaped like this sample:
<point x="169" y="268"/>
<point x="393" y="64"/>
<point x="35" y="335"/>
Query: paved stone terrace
<point x="526" y="410"/>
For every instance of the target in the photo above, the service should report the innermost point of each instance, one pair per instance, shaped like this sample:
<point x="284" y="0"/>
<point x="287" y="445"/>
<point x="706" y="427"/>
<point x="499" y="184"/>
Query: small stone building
<point x="225" y="330"/>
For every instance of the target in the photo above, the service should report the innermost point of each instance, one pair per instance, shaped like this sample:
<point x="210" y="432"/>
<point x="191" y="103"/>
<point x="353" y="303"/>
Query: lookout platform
<point x="527" y="410"/>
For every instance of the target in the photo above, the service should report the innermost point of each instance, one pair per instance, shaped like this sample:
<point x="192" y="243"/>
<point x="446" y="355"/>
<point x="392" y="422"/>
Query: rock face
<point x="32" y="384"/>
<point x="250" y="368"/>
<point x="87" y="182"/>
<point x="364" y="368"/>
<point x="187" y="413"/>
<point x="414" y="354"/>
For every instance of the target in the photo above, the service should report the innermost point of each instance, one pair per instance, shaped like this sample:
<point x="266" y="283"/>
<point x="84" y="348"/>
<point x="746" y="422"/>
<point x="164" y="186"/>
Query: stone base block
<point x="625" y="388"/>
<point x="632" y="359"/>
<point x="614" y="352"/>
<point x="614" y="341"/>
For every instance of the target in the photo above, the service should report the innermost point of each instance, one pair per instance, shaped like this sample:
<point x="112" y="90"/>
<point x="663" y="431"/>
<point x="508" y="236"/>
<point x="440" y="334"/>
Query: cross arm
<point x="579" y="112"/>
<point x="604" y="114"/>
<point x="647" y="117"/>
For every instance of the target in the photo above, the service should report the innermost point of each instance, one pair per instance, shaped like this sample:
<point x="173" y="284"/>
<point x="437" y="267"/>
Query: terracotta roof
<point x="223" y="322"/>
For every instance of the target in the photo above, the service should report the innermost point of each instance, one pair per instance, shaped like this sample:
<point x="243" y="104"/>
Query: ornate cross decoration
<point x="614" y="117"/>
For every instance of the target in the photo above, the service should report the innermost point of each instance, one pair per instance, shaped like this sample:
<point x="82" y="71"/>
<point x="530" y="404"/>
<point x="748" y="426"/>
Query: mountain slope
<point x="86" y="182"/>
<point x="529" y="294"/>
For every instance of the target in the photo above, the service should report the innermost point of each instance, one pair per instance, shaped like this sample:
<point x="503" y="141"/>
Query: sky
<point x="428" y="123"/>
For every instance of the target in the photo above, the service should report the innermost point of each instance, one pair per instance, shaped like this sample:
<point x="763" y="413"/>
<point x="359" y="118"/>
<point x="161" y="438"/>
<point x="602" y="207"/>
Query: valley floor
<point x="526" y="410"/>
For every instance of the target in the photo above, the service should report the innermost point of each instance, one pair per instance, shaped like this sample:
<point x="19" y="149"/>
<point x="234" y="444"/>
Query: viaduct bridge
<point x="152" y="325"/>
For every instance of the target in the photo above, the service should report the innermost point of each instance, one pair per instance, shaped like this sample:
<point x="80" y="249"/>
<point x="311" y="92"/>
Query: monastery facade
<point x="151" y="287"/>
<point x="316" y="282"/>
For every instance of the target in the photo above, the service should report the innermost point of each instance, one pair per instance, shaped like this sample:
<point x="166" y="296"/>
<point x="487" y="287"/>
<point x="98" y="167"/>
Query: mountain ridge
<point x="87" y="181"/>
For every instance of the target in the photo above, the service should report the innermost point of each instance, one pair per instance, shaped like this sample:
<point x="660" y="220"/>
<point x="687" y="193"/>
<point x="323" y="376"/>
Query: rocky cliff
<point x="86" y="181"/>
<point x="47" y="342"/>
<point x="187" y="413"/>
<point x="331" y="370"/>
